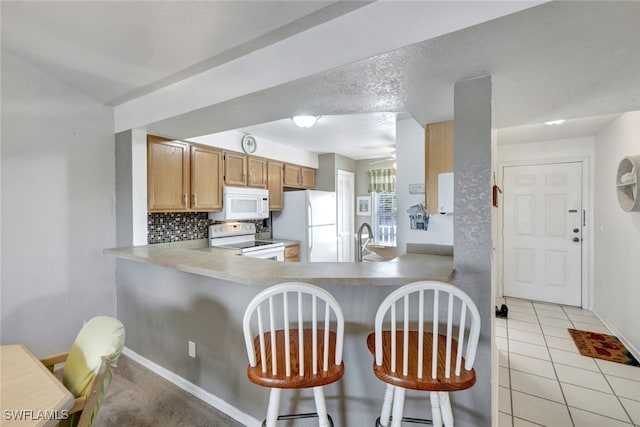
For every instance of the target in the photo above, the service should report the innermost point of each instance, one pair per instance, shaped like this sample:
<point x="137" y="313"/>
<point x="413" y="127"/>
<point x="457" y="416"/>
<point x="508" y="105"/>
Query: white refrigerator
<point x="310" y="217"/>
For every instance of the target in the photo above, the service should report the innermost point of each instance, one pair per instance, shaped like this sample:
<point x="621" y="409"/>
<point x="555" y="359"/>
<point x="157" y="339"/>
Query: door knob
<point x="576" y="230"/>
<point x="576" y="239"/>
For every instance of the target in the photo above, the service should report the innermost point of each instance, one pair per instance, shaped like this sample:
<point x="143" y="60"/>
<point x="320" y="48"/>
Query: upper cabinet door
<point x="274" y="179"/>
<point x="235" y="169"/>
<point x="167" y="175"/>
<point x="438" y="159"/>
<point x="206" y="179"/>
<point x="257" y="172"/>
<point x="299" y="176"/>
<point x="308" y="177"/>
<point x="292" y="176"/>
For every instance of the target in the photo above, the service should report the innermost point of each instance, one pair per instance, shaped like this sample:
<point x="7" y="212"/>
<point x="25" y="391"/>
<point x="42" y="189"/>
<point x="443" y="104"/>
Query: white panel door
<point x="346" y="196"/>
<point x="542" y="232"/>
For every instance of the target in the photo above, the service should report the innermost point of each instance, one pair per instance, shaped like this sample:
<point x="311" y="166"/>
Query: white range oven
<point x="241" y="236"/>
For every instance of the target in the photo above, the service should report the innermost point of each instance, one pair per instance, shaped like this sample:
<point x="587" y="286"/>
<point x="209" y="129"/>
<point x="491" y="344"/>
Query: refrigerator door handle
<point x="310" y="230"/>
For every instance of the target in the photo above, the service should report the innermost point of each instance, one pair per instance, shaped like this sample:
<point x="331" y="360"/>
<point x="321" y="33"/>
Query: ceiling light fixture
<point x="305" y="121"/>
<point x="554" y="122"/>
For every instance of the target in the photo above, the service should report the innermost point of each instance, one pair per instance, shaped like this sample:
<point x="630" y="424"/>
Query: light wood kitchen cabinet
<point x="206" y="179"/>
<point x="168" y="175"/>
<point x="292" y="252"/>
<point x="183" y="176"/>
<point x="299" y="176"/>
<point x="291" y="176"/>
<point x="438" y="159"/>
<point x="257" y="172"/>
<point x="241" y="170"/>
<point x="274" y="184"/>
<point x="235" y="169"/>
<point x="308" y="177"/>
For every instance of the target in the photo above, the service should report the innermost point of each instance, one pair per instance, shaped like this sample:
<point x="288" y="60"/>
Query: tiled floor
<point x="545" y="381"/>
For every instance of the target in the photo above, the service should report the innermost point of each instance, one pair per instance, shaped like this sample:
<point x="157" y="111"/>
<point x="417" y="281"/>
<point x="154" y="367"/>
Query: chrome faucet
<point x="359" y="237"/>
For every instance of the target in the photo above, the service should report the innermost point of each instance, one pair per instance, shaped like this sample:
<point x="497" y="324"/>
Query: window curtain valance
<point x="382" y="180"/>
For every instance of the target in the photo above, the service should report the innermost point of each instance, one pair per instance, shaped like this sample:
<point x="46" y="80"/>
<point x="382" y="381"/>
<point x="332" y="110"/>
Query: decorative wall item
<point x="416" y="188"/>
<point x="363" y="207"/>
<point x="418" y="217"/>
<point x="628" y="184"/>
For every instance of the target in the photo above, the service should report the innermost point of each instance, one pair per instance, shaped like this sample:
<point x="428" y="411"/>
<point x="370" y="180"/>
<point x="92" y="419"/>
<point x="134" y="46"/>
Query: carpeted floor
<point x="139" y="398"/>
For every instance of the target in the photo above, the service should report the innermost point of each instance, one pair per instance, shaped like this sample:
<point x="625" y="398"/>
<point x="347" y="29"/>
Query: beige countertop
<point x="197" y="258"/>
<point x="287" y="242"/>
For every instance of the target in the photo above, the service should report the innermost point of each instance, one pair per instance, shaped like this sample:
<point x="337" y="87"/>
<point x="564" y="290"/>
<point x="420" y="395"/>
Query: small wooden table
<point x="30" y="395"/>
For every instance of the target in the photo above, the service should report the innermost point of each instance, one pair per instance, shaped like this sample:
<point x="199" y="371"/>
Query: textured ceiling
<point x="360" y="136"/>
<point x="557" y="60"/>
<point x="576" y="128"/>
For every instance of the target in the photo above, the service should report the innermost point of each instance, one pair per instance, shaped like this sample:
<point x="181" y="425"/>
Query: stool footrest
<point x="408" y="420"/>
<point x="299" y="416"/>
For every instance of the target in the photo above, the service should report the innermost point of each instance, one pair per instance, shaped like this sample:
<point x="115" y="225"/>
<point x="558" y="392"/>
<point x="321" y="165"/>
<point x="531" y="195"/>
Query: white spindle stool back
<point x="294" y="346"/>
<point x="421" y="348"/>
<point x="416" y="293"/>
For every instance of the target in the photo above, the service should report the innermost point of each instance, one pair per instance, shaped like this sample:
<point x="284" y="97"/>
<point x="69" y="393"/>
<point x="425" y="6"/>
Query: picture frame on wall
<point x="416" y="188"/>
<point x="363" y="205"/>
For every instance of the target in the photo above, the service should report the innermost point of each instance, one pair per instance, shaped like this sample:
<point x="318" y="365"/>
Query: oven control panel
<point x="232" y="229"/>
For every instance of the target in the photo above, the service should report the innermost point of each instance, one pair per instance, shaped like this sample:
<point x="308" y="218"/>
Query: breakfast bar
<point x="172" y="294"/>
<point x="197" y="258"/>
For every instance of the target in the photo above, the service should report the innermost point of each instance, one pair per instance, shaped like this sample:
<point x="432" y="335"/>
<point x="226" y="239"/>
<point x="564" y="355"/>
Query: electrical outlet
<point x="192" y="349"/>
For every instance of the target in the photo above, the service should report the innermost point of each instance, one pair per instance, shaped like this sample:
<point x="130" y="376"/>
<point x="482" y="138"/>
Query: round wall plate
<point x="249" y="144"/>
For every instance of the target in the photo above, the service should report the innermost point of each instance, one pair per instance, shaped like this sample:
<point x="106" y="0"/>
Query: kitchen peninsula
<point x="197" y="258"/>
<point x="171" y="294"/>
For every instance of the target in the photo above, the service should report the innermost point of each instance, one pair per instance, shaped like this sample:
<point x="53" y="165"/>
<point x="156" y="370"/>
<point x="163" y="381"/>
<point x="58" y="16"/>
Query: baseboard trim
<point x="197" y="391"/>
<point x="616" y="332"/>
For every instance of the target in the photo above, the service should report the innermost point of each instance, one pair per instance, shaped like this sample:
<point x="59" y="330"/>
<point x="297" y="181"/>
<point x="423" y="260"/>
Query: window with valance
<point x="382" y="180"/>
<point x="382" y="187"/>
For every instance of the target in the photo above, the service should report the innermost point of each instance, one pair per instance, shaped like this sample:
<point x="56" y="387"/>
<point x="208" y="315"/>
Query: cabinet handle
<point x="184" y="199"/>
<point x="195" y="199"/>
<point x="250" y="179"/>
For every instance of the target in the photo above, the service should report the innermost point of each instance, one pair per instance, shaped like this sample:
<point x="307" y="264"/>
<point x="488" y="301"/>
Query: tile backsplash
<point x="166" y="227"/>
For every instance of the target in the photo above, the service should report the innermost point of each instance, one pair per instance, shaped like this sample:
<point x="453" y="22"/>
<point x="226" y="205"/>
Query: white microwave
<point x="242" y="203"/>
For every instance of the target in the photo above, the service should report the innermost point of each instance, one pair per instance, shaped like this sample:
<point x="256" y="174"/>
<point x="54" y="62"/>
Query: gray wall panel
<point x="472" y="234"/>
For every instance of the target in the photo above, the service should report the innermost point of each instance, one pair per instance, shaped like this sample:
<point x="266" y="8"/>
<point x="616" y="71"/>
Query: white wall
<point x="131" y="188"/>
<point x="545" y="150"/>
<point x="617" y="234"/>
<point x="410" y="161"/>
<point x="57" y="209"/>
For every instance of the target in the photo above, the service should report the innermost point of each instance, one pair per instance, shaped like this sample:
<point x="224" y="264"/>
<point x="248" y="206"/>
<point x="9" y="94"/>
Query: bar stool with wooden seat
<point x="294" y="348"/>
<point x="417" y="356"/>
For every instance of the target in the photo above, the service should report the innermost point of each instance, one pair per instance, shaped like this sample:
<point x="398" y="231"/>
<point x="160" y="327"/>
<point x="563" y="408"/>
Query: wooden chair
<point x="294" y="348"/>
<point x="88" y="367"/>
<point x="417" y="356"/>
